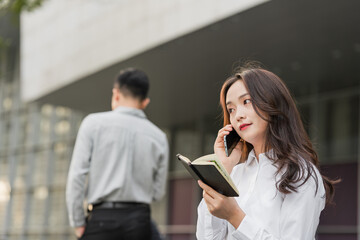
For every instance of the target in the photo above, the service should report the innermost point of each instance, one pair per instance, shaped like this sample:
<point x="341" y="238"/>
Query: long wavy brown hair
<point x="285" y="133"/>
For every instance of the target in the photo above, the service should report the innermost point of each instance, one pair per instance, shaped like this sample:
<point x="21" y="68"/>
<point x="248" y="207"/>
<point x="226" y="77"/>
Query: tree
<point x="17" y="6"/>
<point x="11" y="9"/>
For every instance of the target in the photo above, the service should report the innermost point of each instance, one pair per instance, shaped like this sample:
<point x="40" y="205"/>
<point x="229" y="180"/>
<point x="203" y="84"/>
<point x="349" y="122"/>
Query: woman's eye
<point x="230" y="110"/>
<point x="246" y="101"/>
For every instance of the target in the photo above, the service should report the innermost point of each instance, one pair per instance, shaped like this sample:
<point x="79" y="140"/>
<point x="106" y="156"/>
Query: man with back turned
<point x="119" y="165"/>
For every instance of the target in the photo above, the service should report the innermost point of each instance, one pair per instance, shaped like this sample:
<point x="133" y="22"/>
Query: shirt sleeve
<point x="208" y="226"/>
<point x="79" y="168"/>
<point x="299" y="217"/>
<point x="161" y="174"/>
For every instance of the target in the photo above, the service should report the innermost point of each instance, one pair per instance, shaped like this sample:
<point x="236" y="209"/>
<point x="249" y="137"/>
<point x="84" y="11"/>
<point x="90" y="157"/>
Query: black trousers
<point x="130" y="223"/>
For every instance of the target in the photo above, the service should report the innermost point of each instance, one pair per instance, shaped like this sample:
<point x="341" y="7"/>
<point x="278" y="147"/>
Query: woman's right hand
<point x="221" y="206"/>
<point x="219" y="149"/>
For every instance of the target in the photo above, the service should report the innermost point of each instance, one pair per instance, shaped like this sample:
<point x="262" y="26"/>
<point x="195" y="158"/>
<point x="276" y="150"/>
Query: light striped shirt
<point x="118" y="156"/>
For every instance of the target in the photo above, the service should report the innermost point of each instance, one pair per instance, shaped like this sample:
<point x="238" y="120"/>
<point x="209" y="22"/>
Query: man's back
<point x="128" y="152"/>
<point x="125" y="158"/>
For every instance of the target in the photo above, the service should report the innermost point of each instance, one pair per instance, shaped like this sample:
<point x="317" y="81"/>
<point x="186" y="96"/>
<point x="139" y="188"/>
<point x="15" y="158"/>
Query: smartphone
<point x="230" y="141"/>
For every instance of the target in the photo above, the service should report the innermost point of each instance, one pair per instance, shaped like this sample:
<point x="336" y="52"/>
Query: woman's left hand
<point x="221" y="206"/>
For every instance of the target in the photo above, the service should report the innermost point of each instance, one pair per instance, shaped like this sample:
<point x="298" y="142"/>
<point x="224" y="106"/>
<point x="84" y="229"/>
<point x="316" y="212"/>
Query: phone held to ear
<point x="230" y="141"/>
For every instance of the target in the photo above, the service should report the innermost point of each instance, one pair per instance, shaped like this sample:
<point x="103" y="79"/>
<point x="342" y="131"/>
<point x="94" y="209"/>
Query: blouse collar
<point x="262" y="156"/>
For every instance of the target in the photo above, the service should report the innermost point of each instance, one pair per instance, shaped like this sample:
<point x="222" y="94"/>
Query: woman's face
<point x="247" y="123"/>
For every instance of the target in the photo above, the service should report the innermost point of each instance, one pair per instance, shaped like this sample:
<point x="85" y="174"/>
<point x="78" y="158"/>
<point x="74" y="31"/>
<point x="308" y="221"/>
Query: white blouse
<point x="270" y="214"/>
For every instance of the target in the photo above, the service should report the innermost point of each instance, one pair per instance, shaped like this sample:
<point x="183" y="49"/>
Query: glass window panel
<point x="344" y="128"/>
<point x="300" y="85"/>
<point x="21" y="171"/>
<point x="7" y="103"/>
<point x="18" y="210"/>
<point x="28" y="129"/>
<point x="2" y="132"/>
<point x="14" y="237"/>
<point x="33" y="237"/>
<point x="4" y="168"/>
<point x="76" y="120"/>
<point x="58" y="214"/>
<point x="28" y="169"/>
<point x="34" y="134"/>
<point x="46" y="110"/>
<point x="62" y="127"/>
<point x="5" y="128"/>
<point x="37" y="210"/>
<point x="15" y="95"/>
<point x="3" y="205"/>
<point x="321" y="134"/>
<point x="40" y="169"/>
<point x="344" y="75"/>
<point x="62" y="168"/>
<point x="2" y="87"/>
<point x="4" y="199"/>
<point x="188" y="143"/>
<point x="304" y="110"/>
<point x="56" y="236"/>
<point x="209" y="143"/>
<point x="45" y="127"/>
<point x="338" y="129"/>
<point x="22" y="133"/>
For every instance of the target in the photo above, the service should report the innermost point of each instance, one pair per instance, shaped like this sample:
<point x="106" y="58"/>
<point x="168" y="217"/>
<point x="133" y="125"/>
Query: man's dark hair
<point x="133" y="82"/>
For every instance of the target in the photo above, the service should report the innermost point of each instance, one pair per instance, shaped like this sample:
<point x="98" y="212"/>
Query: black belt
<point x="109" y="205"/>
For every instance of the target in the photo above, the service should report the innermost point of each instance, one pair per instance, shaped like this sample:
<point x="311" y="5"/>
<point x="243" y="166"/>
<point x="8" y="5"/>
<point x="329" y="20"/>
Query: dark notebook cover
<point x="210" y="175"/>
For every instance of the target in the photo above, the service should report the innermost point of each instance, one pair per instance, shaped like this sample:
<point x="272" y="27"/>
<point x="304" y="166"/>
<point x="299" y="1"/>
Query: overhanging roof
<point x="304" y="42"/>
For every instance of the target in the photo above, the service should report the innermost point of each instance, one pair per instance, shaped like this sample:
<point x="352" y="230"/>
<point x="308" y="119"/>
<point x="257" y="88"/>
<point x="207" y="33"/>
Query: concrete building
<point x="72" y="50"/>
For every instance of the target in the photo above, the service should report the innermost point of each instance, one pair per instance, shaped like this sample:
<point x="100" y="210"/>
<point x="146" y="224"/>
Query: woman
<point x="274" y="166"/>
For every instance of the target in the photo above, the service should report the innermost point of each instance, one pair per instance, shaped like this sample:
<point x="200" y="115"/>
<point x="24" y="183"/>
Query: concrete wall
<point x="64" y="41"/>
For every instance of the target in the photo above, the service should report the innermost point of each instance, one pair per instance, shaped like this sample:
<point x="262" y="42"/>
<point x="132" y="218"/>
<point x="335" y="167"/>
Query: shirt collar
<point x="251" y="157"/>
<point x="131" y="111"/>
<point x="262" y="156"/>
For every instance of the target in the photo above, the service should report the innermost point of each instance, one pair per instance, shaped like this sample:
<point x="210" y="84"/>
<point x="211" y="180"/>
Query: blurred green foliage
<point x="4" y="42"/>
<point x="11" y="9"/>
<point x="17" y="6"/>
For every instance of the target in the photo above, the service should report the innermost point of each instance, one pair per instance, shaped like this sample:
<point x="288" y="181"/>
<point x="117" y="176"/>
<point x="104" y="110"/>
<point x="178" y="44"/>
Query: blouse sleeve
<point x="299" y="217"/>
<point x="208" y="226"/>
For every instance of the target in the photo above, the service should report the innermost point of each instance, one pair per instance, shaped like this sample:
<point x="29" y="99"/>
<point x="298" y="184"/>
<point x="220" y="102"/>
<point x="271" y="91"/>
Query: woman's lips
<point x="244" y="126"/>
